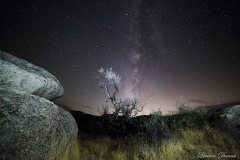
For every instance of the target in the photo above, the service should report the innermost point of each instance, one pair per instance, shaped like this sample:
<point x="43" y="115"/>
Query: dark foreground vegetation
<point x="188" y="135"/>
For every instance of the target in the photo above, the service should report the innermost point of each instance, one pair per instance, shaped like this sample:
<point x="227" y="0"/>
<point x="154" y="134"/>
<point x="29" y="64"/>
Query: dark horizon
<point x="209" y="107"/>
<point x="162" y="50"/>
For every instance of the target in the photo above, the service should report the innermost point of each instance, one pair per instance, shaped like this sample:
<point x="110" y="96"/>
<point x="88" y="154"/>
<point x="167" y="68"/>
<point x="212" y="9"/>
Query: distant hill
<point x="82" y="118"/>
<point x="222" y="106"/>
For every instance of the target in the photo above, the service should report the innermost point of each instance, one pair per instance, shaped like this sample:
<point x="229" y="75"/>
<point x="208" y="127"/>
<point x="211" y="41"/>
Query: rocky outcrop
<point x="18" y="74"/>
<point x="32" y="127"/>
<point x="228" y="121"/>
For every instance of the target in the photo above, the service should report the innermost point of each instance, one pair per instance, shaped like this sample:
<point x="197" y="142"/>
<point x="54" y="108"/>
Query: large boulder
<point x="228" y="121"/>
<point x="32" y="127"/>
<point x="18" y="74"/>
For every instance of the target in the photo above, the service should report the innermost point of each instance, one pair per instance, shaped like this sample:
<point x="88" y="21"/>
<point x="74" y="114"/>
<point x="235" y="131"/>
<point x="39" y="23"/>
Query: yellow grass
<point x="188" y="144"/>
<point x="69" y="152"/>
<point x="184" y="145"/>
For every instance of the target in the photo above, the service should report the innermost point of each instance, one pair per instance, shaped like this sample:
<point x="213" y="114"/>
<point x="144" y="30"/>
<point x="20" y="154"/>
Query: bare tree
<point x="103" y="109"/>
<point x="107" y="77"/>
<point x="182" y="106"/>
<point x="123" y="110"/>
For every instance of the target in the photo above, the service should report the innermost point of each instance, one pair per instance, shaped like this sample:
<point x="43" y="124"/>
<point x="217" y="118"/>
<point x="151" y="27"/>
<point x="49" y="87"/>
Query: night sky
<point x="163" y="50"/>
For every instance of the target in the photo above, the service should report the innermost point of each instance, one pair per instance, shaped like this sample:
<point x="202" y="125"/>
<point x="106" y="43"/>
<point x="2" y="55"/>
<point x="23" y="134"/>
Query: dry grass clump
<point x="69" y="152"/>
<point x="192" y="143"/>
<point x="102" y="148"/>
<point x="185" y="144"/>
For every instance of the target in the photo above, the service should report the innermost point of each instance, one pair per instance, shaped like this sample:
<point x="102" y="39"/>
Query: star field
<point x="161" y="49"/>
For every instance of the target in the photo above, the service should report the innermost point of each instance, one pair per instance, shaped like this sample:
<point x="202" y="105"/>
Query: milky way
<point x="136" y="53"/>
<point x="163" y="50"/>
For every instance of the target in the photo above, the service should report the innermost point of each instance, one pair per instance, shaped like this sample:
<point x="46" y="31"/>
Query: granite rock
<point x="18" y="74"/>
<point x="32" y="127"/>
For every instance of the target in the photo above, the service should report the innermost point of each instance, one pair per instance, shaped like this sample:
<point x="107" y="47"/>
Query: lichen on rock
<point x="31" y="126"/>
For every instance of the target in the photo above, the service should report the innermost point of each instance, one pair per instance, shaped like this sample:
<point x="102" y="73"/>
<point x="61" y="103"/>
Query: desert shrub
<point x="154" y="127"/>
<point x="194" y="118"/>
<point x="182" y="106"/>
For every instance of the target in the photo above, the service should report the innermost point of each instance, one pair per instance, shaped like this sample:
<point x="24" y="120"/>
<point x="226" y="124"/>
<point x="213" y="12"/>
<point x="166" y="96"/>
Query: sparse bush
<point x="182" y="106"/>
<point x="192" y="119"/>
<point x="174" y="125"/>
<point x="201" y="111"/>
<point x="154" y="127"/>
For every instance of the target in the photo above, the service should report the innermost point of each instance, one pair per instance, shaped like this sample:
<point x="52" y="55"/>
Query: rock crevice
<point x="31" y="126"/>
